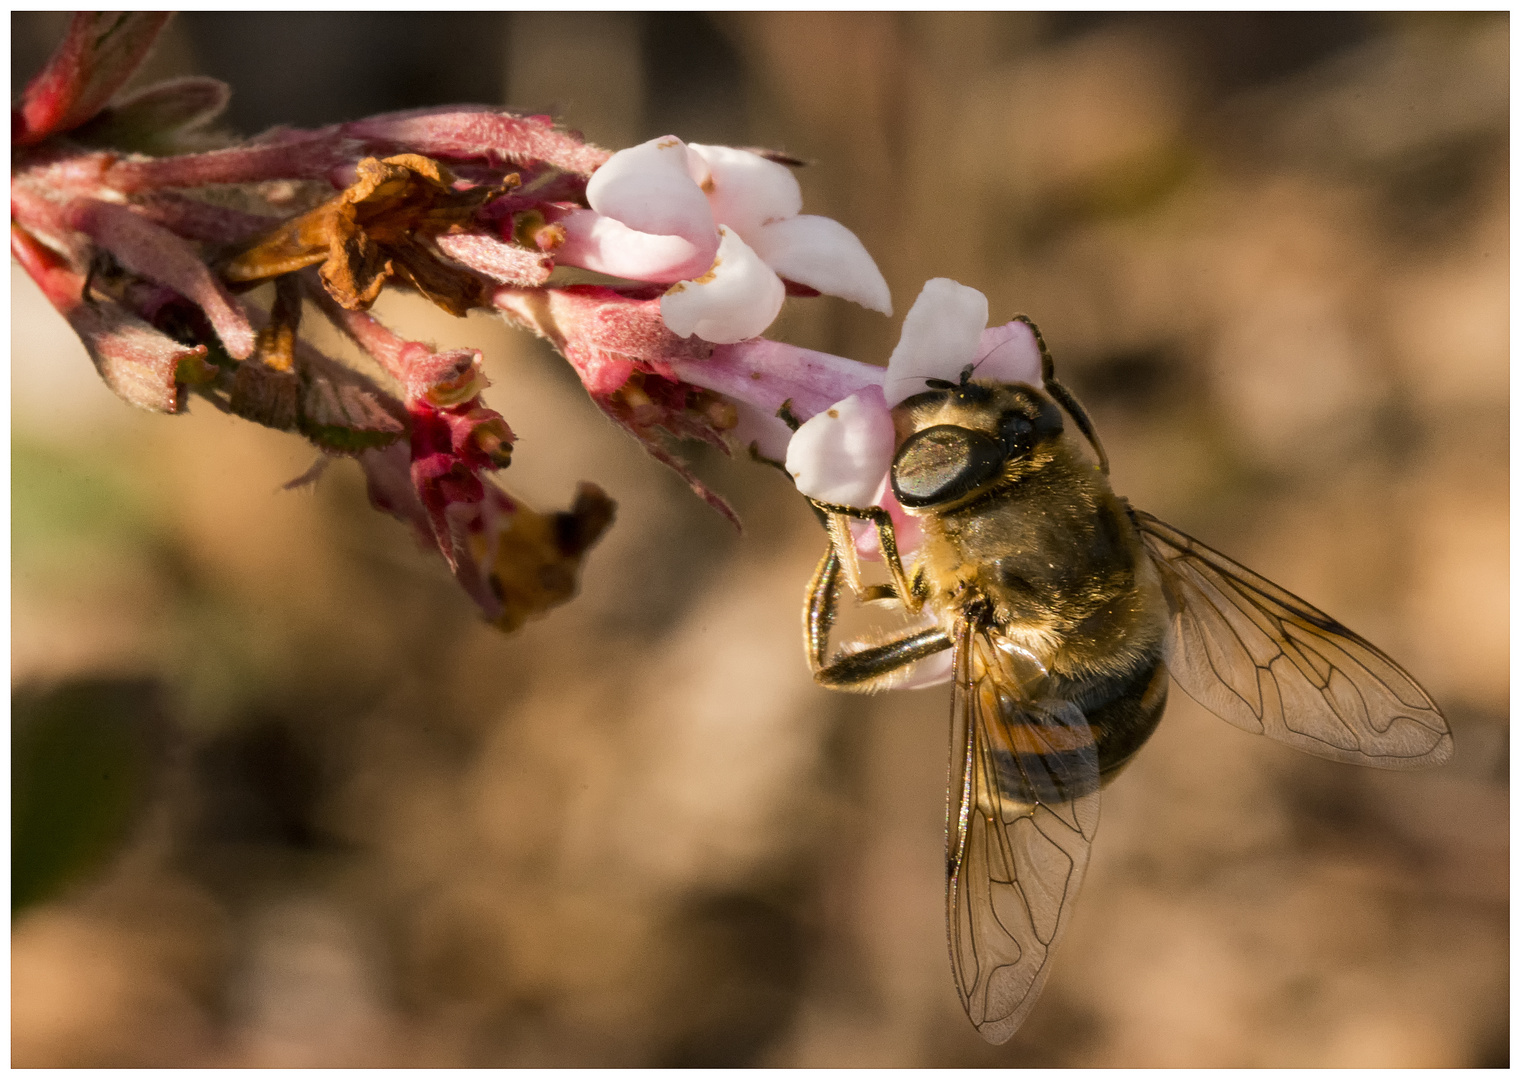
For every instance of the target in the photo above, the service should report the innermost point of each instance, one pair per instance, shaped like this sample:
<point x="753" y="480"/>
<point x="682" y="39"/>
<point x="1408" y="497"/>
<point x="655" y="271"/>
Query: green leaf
<point x="83" y="758"/>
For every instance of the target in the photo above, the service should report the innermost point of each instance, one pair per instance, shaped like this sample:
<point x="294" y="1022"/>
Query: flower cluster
<point x="151" y="235"/>
<point x="724" y="225"/>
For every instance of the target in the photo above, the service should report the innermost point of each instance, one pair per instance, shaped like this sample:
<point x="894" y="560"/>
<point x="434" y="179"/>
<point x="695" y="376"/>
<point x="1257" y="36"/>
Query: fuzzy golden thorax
<point x="1043" y="542"/>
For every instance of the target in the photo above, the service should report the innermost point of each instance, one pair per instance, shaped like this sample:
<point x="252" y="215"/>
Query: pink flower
<point x="843" y="454"/>
<point x="722" y="226"/>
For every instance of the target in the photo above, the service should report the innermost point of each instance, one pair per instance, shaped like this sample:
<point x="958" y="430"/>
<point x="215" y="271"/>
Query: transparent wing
<point x="1268" y="662"/>
<point x="1022" y="811"/>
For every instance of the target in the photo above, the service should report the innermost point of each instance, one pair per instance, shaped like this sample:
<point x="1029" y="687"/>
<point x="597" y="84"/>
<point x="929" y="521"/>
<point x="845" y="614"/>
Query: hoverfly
<point x="1065" y="611"/>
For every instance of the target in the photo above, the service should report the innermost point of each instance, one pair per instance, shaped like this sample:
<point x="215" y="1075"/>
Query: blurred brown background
<point x="281" y="800"/>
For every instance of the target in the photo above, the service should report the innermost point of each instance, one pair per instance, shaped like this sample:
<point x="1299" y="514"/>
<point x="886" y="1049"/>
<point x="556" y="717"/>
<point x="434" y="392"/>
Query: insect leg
<point x="887" y="537"/>
<point x="865" y="670"/>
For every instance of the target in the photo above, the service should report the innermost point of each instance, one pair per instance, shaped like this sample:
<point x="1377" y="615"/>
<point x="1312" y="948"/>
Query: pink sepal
<point x="97" y="56"/>
<point x="506" y="264"/>
<point x="159" y="255"/>
<point x="136" y="361"/>
<point x="195" y="219"/>
<point x="471" y="132"/>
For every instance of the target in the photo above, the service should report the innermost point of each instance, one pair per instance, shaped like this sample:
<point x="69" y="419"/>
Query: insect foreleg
<point x="867" y="669"/>
<point x="887" y="538"/>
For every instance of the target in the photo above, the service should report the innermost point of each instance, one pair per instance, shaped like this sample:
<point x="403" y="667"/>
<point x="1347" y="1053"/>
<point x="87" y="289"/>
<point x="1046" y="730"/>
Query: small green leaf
<point x="83" y="758"/>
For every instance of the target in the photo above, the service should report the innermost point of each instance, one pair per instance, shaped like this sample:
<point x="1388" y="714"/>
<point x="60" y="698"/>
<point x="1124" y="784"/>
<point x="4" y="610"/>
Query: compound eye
<point x="943" y="463"/>
<point x="1017" y="432"/>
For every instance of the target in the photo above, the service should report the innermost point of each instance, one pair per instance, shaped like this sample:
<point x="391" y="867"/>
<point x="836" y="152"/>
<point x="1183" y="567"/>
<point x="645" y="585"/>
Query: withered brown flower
<point x="384" y="224"/>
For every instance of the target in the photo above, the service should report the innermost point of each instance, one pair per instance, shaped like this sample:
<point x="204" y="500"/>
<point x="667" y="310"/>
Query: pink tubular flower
<point x="842" y="454"/>
<point x="723" y="228"/>
<point x="113" y="215"/>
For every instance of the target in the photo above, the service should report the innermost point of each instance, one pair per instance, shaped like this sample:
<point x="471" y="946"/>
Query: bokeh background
<point x="279" y="799"/>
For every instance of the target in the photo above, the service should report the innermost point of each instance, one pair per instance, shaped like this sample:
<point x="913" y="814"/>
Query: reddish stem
<point x="310" y="156"/>
<point x="389" y="349"/>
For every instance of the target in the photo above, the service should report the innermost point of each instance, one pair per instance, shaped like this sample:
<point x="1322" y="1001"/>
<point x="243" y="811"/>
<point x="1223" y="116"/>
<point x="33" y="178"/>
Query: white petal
<point x="1009" y="354"/>
<point x="745" y="190"/>
<point x="940" y="337"/>
<point x="736" y="299"/>
<point x="648" y="188"/>
<point x="761" y="429"/>
<point x="842" y="454"/>
<point x="607" y="245"/>
<point x="823" y="254"/>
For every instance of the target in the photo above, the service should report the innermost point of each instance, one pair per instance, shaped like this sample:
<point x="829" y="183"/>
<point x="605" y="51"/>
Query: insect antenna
<point x="1064" y="397"/>
<point x="935" y="383"/>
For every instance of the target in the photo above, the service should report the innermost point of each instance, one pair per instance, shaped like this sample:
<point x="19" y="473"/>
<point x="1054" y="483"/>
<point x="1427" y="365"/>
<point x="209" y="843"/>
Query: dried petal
<point x="266" y="396"/>
<point x="336" y="407"/>
<point x="940" y="337"/>
<point x="736" y="299"/>
<point x="444" y="285"/>
<point x="376" y="228"/>
<point x="534" y="560"/>
<point x="275" y="343"/>
<point x="842" y="454"/>
<point x="745" y="190"/>
<point x="648" y="188"/>
<point x="823" y="254"/>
